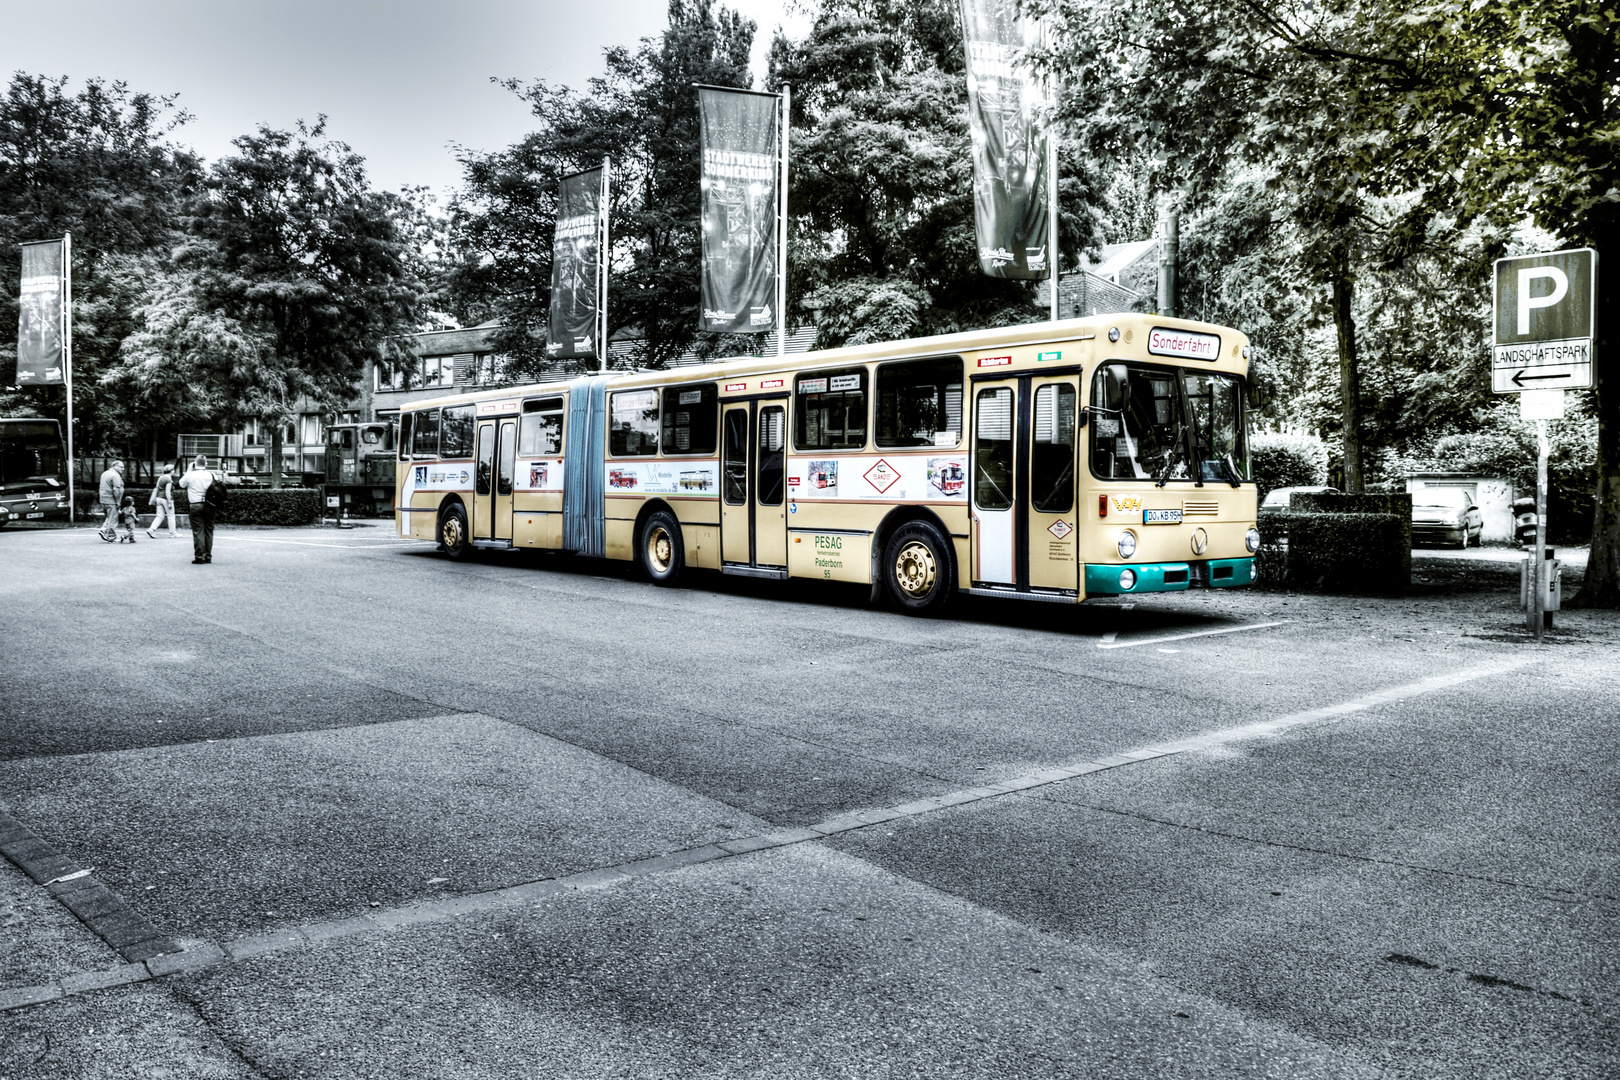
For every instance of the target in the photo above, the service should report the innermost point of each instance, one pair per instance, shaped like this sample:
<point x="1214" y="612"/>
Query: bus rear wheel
<point x="917" y="569"/>
<point x="453" y="534"/>
<point x="659" y="550"/>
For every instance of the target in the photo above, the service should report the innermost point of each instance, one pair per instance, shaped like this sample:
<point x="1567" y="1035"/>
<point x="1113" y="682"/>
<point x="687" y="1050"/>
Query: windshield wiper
<point x="1231" y="472"/>
<point x="1170" y="462"/>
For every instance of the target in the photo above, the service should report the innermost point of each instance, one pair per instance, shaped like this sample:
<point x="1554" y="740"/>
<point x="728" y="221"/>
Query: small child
<point x="128" y="520"/>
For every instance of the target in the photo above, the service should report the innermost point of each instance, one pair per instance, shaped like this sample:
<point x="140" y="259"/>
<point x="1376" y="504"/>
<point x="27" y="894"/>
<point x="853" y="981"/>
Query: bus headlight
<point x="1127" y="544"/>
<point x="1252" y="539"/>
<point x="1127" y="578"/>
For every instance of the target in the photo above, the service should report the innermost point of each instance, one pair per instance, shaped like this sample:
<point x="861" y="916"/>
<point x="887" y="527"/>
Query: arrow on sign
<point x="1520" y="378"/>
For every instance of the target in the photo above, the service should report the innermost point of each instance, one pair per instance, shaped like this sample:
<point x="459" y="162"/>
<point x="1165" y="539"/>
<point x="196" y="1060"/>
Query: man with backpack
<point x="205" y="490"/>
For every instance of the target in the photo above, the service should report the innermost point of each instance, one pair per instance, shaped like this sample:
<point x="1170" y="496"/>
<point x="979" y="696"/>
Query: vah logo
<point x="1127" y="504"/>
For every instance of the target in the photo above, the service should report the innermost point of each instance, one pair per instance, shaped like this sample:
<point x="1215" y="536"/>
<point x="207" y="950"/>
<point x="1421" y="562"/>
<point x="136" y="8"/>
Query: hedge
<point x="1350" y="552"/>
<point x="1338" y="502"/>
<point x="1287" y="461"/>
<point x="264" y="506"/>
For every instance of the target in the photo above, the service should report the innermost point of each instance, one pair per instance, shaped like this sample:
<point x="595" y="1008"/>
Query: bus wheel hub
<point x="914" y="569"/>
<point x="658" y="546"/>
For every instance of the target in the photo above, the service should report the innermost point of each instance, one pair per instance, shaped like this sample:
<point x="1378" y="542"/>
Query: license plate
<point x="1161" y="517"/>
<point x="38" y="515"/>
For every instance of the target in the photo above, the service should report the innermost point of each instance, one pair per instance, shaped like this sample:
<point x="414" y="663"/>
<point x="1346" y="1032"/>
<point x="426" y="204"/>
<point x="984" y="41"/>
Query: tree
<point x="882" y="186"/>
<point x="96" y="163"/>
<point x="643" y="114"/>
<point x="1208" y="86"/>
<point x="1515" y="106"/>
<point x="306" y="269"/>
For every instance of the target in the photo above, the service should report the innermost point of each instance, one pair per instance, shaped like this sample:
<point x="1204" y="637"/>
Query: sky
<point x="401" y="83"/>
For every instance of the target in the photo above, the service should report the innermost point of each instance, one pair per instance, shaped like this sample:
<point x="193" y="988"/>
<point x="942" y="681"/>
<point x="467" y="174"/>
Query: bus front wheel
<point x="917" y="568"/>
<point x="453" y="534"/>
<point x="660" y="549"/>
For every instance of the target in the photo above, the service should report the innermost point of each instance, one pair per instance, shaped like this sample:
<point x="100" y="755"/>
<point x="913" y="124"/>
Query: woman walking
<point x="163" y="499"/>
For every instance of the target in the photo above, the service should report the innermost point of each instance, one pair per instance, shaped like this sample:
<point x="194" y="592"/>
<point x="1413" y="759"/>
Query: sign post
<point x="1545" y="327"/>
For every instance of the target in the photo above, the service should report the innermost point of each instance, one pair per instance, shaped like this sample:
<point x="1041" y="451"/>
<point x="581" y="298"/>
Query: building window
<point x="423" y="373"/>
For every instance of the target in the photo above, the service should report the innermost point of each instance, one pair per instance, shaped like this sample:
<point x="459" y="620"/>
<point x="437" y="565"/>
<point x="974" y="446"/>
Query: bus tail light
<point x="1102" y="506"/>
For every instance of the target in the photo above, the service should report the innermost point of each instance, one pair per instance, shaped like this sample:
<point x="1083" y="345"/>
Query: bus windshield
<point x="31" y="454"/>
<point x="1158" y="423"/>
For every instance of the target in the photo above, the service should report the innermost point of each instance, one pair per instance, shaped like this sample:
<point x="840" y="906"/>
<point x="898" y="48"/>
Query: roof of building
<point x="1116" y="257"/>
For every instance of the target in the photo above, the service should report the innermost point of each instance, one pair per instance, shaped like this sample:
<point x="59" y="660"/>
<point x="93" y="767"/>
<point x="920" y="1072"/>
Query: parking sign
<point x="1545" y="321"/>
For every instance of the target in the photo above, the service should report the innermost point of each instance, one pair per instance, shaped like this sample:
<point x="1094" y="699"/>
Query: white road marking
<point x="1112" y="634"/>
<point x="1108" y="643"/>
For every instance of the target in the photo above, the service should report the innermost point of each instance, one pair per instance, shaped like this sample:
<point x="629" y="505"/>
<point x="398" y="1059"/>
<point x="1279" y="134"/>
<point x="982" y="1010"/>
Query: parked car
<point x="1442" y="516"/>
<point x="1276" y="505"/>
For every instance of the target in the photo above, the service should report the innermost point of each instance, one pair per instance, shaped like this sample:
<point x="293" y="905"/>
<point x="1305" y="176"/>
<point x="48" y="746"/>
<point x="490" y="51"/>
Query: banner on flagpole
<point x="1008" y="113"/>
<point x="572" y="328"/>
<point x="739" y="183"/>
<point x="39" y="319"/>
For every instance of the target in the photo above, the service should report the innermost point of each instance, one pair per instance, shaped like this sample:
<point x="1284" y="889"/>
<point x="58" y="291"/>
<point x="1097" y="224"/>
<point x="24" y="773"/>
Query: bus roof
<point x="1134" y="328"/>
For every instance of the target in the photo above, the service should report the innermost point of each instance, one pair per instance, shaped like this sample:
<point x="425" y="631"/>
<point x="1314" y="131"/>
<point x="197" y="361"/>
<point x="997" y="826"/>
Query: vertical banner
<point x="739" y="210"/>
<point x="39" y="318"/>
<point x="572" y="329"/>
<point x="1008" y="112"/>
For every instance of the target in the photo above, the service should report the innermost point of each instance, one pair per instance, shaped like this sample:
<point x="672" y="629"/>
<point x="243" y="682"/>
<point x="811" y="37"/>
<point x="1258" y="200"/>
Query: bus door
<point x="1023" y="483"/>
<point x="753" y="507"/>
<point x="492" y="486"/>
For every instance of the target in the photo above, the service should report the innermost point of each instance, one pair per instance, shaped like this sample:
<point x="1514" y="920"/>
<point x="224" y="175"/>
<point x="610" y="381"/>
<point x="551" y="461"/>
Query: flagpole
<point x="602" y="266"/>
<point x="782" y="231"/>
<point x="67" y="361"/>
<point x="1052" y="196"/>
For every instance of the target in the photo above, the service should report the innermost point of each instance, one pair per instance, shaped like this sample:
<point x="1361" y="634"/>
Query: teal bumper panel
<point x="1224" y="573"/>
<point x="1102" y="579"/>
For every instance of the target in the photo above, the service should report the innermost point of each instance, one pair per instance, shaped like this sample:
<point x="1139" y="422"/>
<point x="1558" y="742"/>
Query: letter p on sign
<point x="1548" y="297"/>
<point x="1527" y="303"/>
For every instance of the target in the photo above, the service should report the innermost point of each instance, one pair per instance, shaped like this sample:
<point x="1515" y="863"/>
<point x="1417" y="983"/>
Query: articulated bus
<point x="1055" y="462"/>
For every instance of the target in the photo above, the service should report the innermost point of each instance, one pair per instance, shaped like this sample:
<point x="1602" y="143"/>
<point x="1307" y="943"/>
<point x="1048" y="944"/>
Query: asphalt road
<point x="531" y="817"/>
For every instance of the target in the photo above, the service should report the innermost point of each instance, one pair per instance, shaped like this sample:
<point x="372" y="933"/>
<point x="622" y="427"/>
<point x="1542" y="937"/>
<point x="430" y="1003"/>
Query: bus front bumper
<point x="1109" y="579"/>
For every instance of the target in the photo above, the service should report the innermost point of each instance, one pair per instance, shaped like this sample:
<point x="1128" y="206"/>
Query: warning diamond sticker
<point x="1060" y="528"/>
<point x="882" y="476"/>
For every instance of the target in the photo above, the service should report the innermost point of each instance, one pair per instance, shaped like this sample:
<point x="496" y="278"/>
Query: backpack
<point x="214" y="497"/>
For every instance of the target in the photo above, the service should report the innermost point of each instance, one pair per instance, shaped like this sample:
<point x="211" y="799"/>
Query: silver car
<point x="1445" y="516"/>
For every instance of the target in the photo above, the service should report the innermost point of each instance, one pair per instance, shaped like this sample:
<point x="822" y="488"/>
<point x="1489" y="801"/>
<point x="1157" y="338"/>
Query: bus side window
<point x="919" y="403"/>
<point x="540" y="430"/>
<point x="993" y="449"/>
<point x="1051" y="475"/>
<point x="633" y="423"/>
<point x="426" y="434"/>
<point x="456" y="432"/>
<point x="690" y="415"/>
<point x="736" y="457"/>
<point x="772" y="441"/>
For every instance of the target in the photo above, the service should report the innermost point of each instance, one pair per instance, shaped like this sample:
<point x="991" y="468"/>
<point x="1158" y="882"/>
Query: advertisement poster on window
<point x="571" y="332"/>
<point x="1008" y="109"/>
<point x="39" y="319"/>
<point x="739" y="211"/>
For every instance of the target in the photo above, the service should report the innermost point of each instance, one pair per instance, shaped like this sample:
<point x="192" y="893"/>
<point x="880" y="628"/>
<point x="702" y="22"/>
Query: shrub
<point x="1338" y="502"/>
<point x="1350" y="552"/>
<point x="1288" y="461"/>
<point x="265" y="506"/>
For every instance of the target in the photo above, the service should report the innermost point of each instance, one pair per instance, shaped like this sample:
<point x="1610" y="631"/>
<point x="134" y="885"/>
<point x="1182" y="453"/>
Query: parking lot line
<point x="1108" y="641"/>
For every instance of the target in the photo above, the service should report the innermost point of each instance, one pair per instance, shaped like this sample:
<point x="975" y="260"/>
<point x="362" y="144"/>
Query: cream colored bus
<point x="1053" y="462"/>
